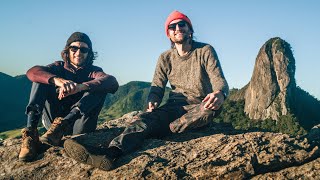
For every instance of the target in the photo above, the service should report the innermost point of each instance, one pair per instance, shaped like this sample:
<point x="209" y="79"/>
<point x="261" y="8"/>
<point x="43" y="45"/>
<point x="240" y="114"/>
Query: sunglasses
<point x="83" y="50"/>
<point x="173" y="26"/>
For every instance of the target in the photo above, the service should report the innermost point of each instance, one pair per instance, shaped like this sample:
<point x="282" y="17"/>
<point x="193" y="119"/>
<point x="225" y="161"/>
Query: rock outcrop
<point x="270" y="92"/>
<point x="215" y="152"/>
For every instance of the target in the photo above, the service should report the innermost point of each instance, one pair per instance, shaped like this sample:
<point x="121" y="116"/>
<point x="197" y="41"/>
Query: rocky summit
<point x="214" y="152"/>
<point x="271" y="91"/>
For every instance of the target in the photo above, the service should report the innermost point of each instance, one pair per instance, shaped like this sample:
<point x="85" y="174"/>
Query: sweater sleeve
<point x="42" y="74"/>
<point x="102" y="82"/>
<point x="159" y="82"/>
<point x="214" y="71"/>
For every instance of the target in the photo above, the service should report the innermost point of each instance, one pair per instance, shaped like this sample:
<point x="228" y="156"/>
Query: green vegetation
<point x="128" y="103"/>
<point x="233" y="113"/>
<point x="14" y="98"/>
<point x="306" y="108"/>
<point x="303" y="117"/>
<point x="129" y="97"/>
<point x="16" y="133"/>
<point x="132" y="97"/>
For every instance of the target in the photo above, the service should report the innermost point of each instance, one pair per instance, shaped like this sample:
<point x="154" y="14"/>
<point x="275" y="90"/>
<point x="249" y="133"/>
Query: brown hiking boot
<point x="81" y="154"/>
<point x="30" y="144"/>
<point x="54" y="135"/>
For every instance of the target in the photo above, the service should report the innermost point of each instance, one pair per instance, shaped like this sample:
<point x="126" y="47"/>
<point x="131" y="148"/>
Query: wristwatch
<point x="224" y="94"/>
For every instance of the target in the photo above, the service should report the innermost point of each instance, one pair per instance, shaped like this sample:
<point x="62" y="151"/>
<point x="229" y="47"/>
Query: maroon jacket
<point x="90" y="75"/>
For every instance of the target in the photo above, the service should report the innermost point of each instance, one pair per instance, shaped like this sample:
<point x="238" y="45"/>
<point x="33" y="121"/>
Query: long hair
<point x="90" y="58"/>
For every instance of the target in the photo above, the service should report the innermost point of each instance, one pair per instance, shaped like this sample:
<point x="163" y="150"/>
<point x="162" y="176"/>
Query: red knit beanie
<point x="176" y="15"/>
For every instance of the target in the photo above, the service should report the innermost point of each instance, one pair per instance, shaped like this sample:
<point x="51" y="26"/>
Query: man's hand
<point x="67" y="87"/>
<point x="78" y="88"/>
<point x="152" y="106"/>
<point x="214" y="100"/>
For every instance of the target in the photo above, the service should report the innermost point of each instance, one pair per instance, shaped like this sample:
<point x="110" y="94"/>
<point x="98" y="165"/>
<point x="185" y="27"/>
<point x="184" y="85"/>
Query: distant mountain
<point x="129" y="97"/>
<point x="15" y="91"/>
<point x="14" y="95"/>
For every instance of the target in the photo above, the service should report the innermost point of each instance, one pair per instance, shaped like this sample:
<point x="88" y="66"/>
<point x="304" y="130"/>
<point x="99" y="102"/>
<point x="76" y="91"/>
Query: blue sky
<point x="129" y="35"/>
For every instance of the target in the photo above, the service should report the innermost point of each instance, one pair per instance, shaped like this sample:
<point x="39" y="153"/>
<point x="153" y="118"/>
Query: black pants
<point x="152" y="125"/>
<point x="44" y="102"/>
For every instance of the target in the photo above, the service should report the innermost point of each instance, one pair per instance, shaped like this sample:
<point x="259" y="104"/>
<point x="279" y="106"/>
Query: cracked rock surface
<point x="215" y="152"/>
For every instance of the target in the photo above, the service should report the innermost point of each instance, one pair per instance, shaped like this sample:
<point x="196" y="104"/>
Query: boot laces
<point x="28" y="133"/>
<point x="28" y="136"/>
<point x="58" y="124"/>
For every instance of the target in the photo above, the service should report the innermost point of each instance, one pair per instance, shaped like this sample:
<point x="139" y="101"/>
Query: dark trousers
<point x="154" y="124"/>
<point x="44" y="102"/>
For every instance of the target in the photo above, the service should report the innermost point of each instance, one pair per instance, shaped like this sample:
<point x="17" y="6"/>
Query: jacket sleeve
<point x="102" y="82"/>
<point x="215" y="73"/>
<point x="159" y="82"/>
<point x="42" y="74"/>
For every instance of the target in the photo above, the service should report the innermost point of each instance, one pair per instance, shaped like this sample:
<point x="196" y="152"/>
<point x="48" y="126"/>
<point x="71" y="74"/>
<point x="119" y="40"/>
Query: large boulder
<point x="271" y="90"/>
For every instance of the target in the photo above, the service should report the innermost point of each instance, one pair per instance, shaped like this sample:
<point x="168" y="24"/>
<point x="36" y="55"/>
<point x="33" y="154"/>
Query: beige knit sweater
<point x="191" y="77"/>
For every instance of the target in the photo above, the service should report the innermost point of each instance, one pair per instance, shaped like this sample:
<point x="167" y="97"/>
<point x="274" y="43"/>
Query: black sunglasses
<point x="173" y="26"/>
<point x="82" y="49"/>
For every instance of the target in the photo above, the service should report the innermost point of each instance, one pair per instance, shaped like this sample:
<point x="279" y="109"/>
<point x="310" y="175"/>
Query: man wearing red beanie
<point x="198" y="92"/>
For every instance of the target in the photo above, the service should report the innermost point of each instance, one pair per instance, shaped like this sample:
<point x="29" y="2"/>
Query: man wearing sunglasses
<point x="67" y="95"/>
<point x="198" y="92"/>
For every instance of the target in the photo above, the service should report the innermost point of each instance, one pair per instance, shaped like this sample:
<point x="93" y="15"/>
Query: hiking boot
<point x="83" y="155"/>
<point x="56" y="131"/>
<point x="30" y="144"/>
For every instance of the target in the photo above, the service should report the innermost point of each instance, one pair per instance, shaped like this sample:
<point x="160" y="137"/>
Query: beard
<point x="180" y="40"/>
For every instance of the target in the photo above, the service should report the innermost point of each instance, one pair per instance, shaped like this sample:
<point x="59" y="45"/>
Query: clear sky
<point x="129" y="35"/>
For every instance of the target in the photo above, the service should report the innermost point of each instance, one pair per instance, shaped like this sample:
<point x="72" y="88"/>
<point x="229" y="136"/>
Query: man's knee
<point x="196" y="117"/>
<point x="136" y="126"/>
<point x="91" y="103"/>
<point x="151" y="124"/>
<point x="204" y="111"/>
